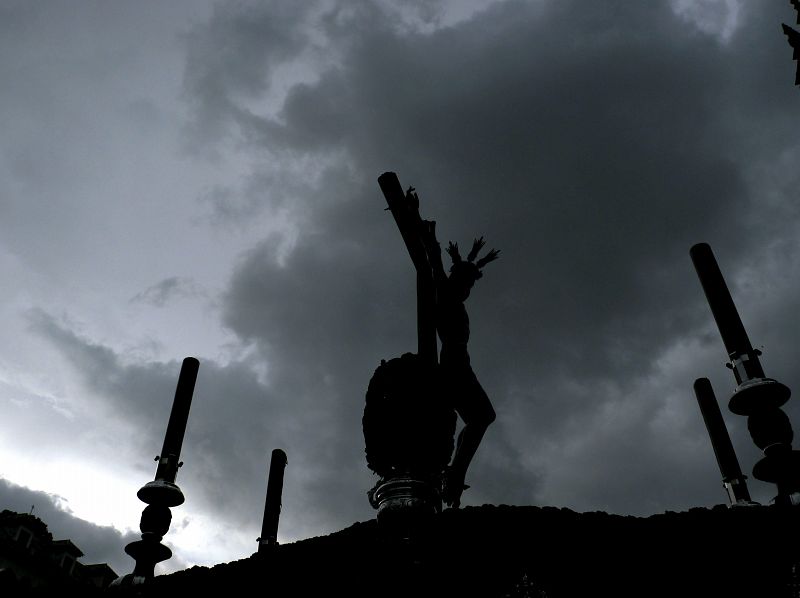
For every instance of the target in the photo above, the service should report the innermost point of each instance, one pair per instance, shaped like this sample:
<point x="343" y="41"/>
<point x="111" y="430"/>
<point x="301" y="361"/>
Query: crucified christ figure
<point x="452" y="323"/>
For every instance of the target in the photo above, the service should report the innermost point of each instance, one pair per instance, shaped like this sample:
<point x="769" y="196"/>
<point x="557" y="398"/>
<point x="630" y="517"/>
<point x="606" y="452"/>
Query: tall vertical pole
<point x="732" y="478"/>
<point x="162" y="493"/>
<point x="176" y="426"/>
<point x="754" y="391"/>
<point x="272" y="504"/>
<point x="405" y="209"/>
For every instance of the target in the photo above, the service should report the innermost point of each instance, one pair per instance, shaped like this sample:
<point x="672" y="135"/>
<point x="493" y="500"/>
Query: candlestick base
<point x="161" y="492"/>
<point x="405" y="504"/>
<point x="758" y="394"/>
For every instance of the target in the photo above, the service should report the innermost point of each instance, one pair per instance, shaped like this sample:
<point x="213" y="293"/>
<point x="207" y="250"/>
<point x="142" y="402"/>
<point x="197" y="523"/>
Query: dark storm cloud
<point x="236" y="54"/>
<point x="99" y="544"/>
<point x="318" y="360"/>
<point x="593" y="144"/>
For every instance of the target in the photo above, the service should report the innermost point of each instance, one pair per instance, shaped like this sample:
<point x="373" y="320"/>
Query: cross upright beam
<point x="405" y="209"/>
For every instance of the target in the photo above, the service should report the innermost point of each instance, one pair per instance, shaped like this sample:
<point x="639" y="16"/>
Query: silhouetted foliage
<point x="409" y="424"/>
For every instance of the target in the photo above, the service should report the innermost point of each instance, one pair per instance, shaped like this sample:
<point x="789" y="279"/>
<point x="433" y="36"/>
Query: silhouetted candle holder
<point x="162" y="493"/>
<point x="756" y="396"/>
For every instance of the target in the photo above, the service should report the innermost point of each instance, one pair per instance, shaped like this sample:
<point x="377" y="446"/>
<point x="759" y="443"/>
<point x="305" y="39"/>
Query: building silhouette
<point x="30" y="559"/>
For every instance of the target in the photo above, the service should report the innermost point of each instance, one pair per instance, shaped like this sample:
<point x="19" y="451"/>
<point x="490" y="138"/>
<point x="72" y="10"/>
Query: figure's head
<point x="463" y="274"/>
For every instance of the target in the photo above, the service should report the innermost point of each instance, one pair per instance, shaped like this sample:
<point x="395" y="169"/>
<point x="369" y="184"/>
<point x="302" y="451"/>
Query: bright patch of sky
<point x="719" y="18"/>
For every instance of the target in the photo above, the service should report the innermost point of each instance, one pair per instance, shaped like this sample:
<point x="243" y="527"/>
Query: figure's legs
<point x="475" y="408"/>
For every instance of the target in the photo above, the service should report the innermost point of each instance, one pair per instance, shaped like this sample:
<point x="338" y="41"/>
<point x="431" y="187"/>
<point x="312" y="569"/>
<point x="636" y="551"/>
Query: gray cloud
<point x="236" y="53"/>
<point x="164" y="290"/>
<point x="235" y="421"/>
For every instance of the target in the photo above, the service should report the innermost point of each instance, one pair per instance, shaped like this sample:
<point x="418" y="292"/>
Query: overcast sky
<point x="191" y="178"/>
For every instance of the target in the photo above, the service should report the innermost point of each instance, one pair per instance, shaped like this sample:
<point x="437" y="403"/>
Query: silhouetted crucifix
<point x="440" y="308"/>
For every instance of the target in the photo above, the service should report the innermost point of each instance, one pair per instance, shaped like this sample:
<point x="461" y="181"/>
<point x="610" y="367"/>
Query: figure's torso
<point x="452" y="323"/>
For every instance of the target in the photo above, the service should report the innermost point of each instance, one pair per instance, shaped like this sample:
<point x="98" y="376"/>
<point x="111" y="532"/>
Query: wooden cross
<point x="405" y="209"/>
